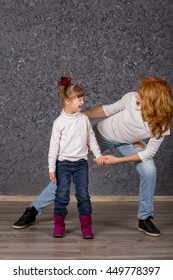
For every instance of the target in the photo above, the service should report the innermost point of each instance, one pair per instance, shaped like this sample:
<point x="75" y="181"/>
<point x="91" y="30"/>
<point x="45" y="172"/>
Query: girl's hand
<point x="100" y="160"/>
<point x="108" y="159"/>
<point x="52" y="177"/>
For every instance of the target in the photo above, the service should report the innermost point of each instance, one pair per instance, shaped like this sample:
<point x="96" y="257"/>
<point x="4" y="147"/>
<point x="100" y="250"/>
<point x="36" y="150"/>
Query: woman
<point x="138" y="116"/>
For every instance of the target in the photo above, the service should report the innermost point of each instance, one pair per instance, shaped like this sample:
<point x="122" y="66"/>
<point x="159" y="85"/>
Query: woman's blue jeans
<point x="146" y="171"/>
<point x="66" y="171"/>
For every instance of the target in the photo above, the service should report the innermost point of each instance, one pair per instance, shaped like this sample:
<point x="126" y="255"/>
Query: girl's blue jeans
<point x="78" y="172"/>
<point x="146" y="172"/>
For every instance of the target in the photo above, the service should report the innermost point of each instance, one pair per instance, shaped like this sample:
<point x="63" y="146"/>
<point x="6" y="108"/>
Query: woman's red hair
<point x="157" y="104"/>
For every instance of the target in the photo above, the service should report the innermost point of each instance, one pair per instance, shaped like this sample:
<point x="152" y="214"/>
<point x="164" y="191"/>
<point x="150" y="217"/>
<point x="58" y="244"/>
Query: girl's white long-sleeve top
<point x="125" y="125"/>
<point x="71" y="139"/>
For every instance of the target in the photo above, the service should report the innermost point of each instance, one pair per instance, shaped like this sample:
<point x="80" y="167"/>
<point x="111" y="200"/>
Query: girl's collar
<point x="69" y="115"/>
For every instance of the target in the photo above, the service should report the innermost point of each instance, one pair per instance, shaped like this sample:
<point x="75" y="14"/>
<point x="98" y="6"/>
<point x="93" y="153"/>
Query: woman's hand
<point x="109" y="159"/>
<point x="139" y="144"/>
<point x="52" y="177"/>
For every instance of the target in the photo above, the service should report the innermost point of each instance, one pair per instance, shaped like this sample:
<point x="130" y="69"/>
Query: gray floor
<point x="114" y="225"/>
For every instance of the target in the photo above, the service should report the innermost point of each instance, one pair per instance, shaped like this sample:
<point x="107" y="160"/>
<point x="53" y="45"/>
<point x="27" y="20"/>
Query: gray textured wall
<point x="105" y="45"/>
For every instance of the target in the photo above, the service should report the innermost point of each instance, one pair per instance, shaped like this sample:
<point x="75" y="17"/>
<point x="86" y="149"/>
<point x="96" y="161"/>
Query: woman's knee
<point x="147" y="168"/>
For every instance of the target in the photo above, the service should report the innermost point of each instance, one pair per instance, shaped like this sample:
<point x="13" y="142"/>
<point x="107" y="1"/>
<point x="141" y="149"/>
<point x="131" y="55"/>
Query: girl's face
<point x="73" y="105"/>
<point x="138" y="99"/>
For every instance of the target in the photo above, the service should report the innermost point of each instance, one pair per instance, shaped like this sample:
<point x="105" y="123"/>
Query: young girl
<point x="72" y="137"/>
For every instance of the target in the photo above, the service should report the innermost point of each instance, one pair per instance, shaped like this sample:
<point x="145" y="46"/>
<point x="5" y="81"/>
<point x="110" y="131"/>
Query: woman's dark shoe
<point x="27" y="219"/>
<point x="148" y="227"/>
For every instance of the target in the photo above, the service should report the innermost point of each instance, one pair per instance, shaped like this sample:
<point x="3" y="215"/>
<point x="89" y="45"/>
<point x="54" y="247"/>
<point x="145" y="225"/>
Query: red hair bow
<point x="65" y="81"/>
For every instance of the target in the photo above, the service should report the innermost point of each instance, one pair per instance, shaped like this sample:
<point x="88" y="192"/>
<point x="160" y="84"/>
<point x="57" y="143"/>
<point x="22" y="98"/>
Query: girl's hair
<point x="68" y="90"/>
<point x="157" y="104"/>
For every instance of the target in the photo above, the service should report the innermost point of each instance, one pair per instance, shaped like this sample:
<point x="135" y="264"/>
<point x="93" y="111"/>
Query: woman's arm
<point x="109" y="159"/>
<point x="97" y="112"/>
<point x="111" y="109"/>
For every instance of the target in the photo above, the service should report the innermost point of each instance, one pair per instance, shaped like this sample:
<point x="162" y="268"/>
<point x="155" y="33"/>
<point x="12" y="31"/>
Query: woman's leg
<point x="147" y="176"/>
<point x="45" y="198"/>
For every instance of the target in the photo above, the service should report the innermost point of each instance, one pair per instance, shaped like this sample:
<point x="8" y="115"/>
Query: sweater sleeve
<point x="118" y="106"/>
<point x="151" y="149"/>
<point x="92" y="142"/>
<point x="54" y="146"/>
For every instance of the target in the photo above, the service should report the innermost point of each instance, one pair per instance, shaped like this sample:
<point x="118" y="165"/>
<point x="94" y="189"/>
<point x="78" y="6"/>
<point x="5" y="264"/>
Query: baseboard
<point x="93" y="198"/>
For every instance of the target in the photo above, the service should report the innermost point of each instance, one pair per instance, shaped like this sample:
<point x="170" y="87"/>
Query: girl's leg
<point x="62" y="195"/>
<point x="80" y="179"/>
